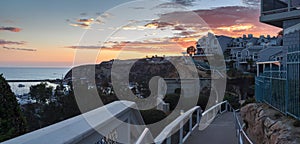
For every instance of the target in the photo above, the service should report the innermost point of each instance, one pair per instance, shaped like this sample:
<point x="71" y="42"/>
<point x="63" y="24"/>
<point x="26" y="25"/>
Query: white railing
<point x="240" y="133"/>
<point x="166" y="134"/>
<point x="141" y="139"/>
<point x="78" y="130"/>
<point x="103" y="125"/>
<point x="209" y="115"/>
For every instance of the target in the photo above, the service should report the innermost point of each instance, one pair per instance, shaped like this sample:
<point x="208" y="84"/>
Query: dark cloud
<point x="83" y="14"/>
<point x="4" y="42"/>
<point x="84" y="47"/>
<point x="184" y="2"/>
<point x="137" y="8"/>
<point x="19" y="49"/>
<point x="85" y="20"/>
<point x="12" y="29"/>
<point x="253" y="3"/>
<point x="186" y="33"/>
<point x="82" y="22"/>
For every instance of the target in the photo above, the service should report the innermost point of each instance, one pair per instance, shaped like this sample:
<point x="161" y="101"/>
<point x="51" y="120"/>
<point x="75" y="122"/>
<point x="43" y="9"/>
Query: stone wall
<point x="262" y="129"/>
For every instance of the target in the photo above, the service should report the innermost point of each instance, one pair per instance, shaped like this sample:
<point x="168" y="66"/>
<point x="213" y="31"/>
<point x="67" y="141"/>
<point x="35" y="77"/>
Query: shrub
<point x="172" y="99"/>
<point x="233" y="100"/>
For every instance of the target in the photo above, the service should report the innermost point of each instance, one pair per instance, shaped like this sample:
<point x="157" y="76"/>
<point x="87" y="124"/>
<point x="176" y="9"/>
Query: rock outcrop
<point x="262" y="129"/>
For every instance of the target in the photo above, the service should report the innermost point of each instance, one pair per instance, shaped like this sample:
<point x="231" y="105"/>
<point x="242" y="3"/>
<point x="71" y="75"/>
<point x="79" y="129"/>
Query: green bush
<point x="152" y="116"/>
<point x="202" y="101"/>
<point x="12" y="122"/>
<point x="233" y="100"/>
<point x="172" y="99"/>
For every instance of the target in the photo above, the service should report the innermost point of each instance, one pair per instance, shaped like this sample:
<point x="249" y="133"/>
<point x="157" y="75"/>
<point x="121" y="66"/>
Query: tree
<point x="191" y="50"/>
<point x="12" y="122"/>
<point x="172" y="99"/>
<point x="41" y="92"/>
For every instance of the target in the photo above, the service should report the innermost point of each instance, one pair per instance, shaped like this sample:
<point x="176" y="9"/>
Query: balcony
<point x="274" y="12"/>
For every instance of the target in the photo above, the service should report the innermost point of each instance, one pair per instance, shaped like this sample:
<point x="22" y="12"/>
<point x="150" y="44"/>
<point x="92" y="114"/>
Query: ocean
<point x="31" y="74"/>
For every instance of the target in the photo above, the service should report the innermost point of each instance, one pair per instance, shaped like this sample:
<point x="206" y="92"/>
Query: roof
<point x="265" y="54"/>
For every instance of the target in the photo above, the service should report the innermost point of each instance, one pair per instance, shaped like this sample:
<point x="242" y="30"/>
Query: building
<point x="211" y="44"/>
<point x="278" y="82"/>
<point x="245" y="51"/>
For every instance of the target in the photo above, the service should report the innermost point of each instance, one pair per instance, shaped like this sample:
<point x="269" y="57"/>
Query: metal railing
<point x="241" y="134"/>
<point x="141" y="139"/>
<point x="166" y="135"/>
<point x="217" y="109"/>
<point x="291" y="5"/>
<point x="78" y="130"/>
<point x="206" y="118"/>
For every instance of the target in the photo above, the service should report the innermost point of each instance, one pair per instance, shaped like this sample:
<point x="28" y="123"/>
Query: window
<point x="239" y="54"/>
<point x="255" y="56"/>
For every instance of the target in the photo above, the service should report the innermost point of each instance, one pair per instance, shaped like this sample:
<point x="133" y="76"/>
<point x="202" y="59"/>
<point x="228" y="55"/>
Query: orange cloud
<point x="12" y="29"/>
<point x="237" y="28"/>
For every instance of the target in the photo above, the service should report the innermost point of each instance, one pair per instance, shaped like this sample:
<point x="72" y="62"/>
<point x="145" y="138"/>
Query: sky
<point x="64" y="33"/>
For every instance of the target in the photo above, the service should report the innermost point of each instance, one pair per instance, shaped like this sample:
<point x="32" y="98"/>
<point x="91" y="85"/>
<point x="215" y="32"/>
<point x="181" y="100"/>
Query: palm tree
<point x="191" y="50"/>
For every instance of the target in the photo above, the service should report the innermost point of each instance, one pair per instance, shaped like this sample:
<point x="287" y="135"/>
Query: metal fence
<point x="272" y="87"/>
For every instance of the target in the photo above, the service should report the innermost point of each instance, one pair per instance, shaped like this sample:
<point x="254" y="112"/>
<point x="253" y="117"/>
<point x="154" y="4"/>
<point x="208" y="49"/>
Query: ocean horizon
<point x="31" y="73"/>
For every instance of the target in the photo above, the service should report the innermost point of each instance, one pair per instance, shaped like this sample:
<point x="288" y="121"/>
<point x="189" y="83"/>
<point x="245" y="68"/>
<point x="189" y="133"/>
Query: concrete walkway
<point x="220" y="131"/>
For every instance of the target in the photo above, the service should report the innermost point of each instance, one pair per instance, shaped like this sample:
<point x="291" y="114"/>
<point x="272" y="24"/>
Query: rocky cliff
<point x="267" y="126"/>
<point x="140" y="70"/>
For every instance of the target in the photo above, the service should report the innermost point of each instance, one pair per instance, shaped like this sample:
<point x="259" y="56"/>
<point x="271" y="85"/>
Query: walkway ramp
<point x="220" y="131"/>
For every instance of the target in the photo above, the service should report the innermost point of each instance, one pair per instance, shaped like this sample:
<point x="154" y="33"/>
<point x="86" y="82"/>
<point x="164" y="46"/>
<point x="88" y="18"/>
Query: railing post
<point x="169" y="140"/>
<point x="198" y="116"/>
<point x="191" y="123"/>
<point x="289" y="5"/>
<point x="181" y="133"/>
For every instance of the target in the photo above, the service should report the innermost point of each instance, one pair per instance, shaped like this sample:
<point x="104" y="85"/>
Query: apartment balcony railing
<point x="274" y="12"/>
<point x="279" y="6"/>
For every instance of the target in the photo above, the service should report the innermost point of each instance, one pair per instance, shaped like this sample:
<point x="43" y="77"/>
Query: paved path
<point x="220" y="131"/>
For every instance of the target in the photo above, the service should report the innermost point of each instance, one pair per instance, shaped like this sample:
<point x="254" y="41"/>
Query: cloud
<point x="138" y="8"/>
<point x="232" y="21"/>
<point x="85" y="20"/>
<point x="236" y="21"/>
<point x="83" y="14"/>
<point x="12" y="29"/>
<point x="85" y="23"/>
<point x="154" y="45"/>
<point x="82" y="22"/>
<point x="185" y="2"/>
<point x="84" y="47"/>
<point x="4" y="42"/>
<point x="19" y="49"/>
<point x="237" y="28"/>
<point x="252" y="3"/>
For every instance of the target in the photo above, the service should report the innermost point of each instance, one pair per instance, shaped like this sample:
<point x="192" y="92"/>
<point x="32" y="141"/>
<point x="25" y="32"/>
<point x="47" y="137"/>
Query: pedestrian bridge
<point x="121" y="122"/>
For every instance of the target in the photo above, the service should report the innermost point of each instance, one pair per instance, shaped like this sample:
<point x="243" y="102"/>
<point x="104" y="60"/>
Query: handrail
<point x="165" y="134"/>
<point x="275" y="11"/>
<point x="143" y="135"/>
<point x="213" y="107"/>
<point x="239" y="128"/>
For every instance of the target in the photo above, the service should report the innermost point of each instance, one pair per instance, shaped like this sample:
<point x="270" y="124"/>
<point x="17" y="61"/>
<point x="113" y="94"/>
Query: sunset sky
<point x="60" y="33"/>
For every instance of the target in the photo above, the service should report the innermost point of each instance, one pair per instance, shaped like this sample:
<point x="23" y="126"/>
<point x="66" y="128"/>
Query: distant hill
<point x="141" y="70"/>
